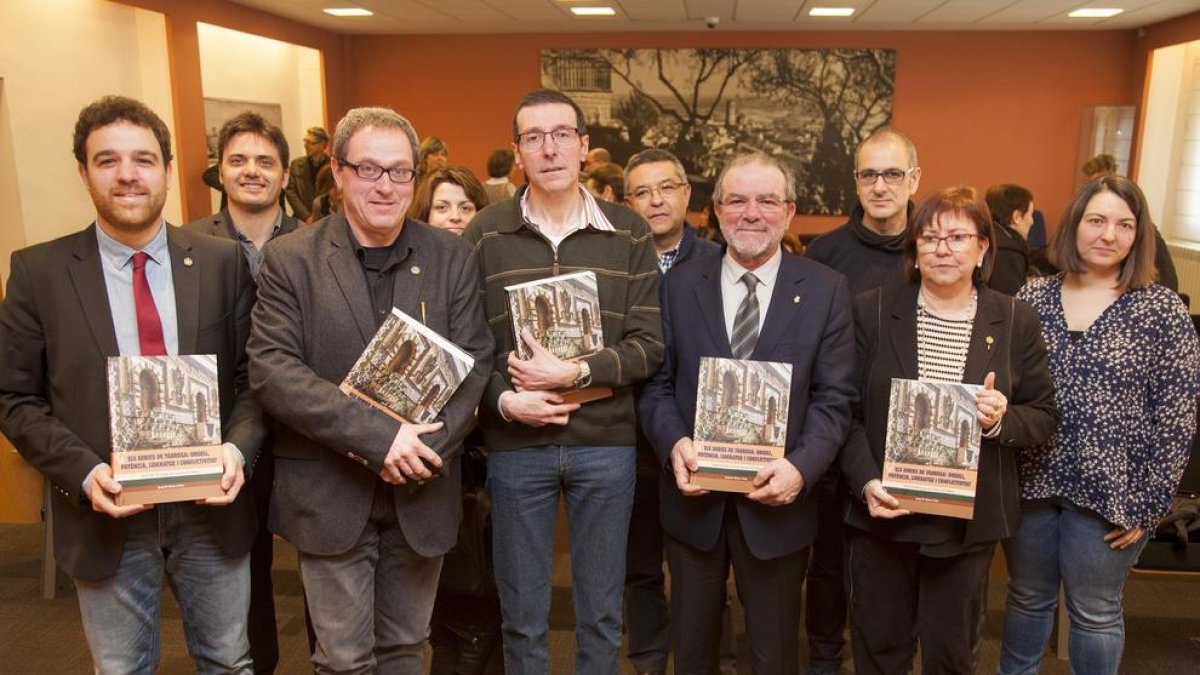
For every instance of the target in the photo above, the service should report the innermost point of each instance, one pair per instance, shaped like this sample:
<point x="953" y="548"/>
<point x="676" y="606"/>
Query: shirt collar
<point x="593" y="217"/>
<point x="400" y="249"/>
<point x="233" y="228"/>
<point x="118" y="255"/>
<point x="731" y="271"/>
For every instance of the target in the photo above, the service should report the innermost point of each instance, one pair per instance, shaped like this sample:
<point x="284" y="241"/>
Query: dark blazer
<point x="56" y="332"/>
<point x="808" y="325"/>
<point x="1012" y="261"/>
<point x="312" y="321"/>
<point x="220" y="224"/>
<point x="1006" y="339"/>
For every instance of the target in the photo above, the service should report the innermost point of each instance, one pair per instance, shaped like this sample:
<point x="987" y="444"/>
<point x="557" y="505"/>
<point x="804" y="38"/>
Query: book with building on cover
<point x="741" y="420"/>
<point x="407" y="371"/>
<point x="165" y="420"/>
<point x="931" y="458"/>
<point x="563" y="315"/>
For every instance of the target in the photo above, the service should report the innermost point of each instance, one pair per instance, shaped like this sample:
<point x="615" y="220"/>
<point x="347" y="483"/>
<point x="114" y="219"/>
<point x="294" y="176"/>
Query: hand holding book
<point x="542" y="370"/>
<point x="233" y="478"/>
<point x="685" y="462"/>
<point x="409" y="458"/>
<point x="776" y="484"/>
<point x="880" y="504"/>
<point x="102" y="490"/>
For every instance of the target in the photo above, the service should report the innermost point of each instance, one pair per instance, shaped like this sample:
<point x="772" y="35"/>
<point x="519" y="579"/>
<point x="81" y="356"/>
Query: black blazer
<point x="1007" y="339"/>
<point x="220" y="224"/>
<point x="807" y="325"/>
<point x="56" y="332"/>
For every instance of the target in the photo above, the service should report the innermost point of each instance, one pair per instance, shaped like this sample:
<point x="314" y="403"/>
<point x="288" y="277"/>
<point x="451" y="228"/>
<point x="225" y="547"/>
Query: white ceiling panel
<point x="964" y="11"/>
<point x="768" y="10"/>
<point x="699" y="9"/>
<point x="653" y="10"/>
<point x="897" y="11"/>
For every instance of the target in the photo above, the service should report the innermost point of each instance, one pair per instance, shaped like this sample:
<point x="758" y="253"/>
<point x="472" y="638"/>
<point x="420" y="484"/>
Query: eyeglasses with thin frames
<point x="564" y="137"/>
<point x="767" y="204"/>
<point x="365" y="171"/>
<point x="956" y="242"/>
<point x="665" y="190"/>
<point x="889" y="176"/>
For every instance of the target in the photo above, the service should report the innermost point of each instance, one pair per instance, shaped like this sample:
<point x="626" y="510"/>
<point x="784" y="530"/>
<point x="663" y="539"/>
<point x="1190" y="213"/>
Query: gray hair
<point x="653" y="156"/>
<point x="789" y="176"/>
<point x="379" y="118"/>
<point x="889" y="133"/>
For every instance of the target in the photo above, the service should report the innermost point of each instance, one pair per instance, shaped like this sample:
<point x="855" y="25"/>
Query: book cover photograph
<point x="563" y="315"/>
<point x="741" y="420"/>
<point x="931" y="458"/>
<point x="165" y="421"/>
<point x="407" y="371"/>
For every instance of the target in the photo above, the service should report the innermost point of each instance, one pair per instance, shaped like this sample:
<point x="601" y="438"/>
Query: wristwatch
<point x="585" y="374"/>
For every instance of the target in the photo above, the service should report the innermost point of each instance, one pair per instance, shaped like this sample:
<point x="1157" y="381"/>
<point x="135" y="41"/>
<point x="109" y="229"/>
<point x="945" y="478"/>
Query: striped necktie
<point x="745" y="322"/>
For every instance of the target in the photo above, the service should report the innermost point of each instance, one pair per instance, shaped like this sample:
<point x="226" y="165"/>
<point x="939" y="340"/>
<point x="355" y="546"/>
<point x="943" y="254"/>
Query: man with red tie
<point x="130" y="284"/>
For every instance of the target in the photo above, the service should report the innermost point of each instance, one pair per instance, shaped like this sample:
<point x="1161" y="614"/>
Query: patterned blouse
<point x="1127" y="390"/>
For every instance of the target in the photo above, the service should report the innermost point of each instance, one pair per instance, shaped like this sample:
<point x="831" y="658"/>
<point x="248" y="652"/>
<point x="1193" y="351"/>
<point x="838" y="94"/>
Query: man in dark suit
<point x="355" y="489"/>
<point x="711" y="307"/>
<point x="252" y="159"/>
<point x="658" y="190"/>
<point x="128" y="285"/>
<point x="310" y="175"/>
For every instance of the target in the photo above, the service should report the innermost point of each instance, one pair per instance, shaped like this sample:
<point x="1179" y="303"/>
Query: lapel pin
<point x="415" y="269"/>
<point x="989" y="342"/>
<point x="188" y="262"/>
<point x="796" y="300"/>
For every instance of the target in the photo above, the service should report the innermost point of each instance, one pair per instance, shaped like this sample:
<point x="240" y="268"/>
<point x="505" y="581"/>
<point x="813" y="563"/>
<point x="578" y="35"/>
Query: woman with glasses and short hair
<point x="918" y="575"/>
<point x="449" y="198"/>
<point x="1123" y="352"/>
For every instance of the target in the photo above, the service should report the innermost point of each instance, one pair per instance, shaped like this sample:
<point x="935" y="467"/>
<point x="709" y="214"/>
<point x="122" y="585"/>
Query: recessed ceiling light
<point x="593" y="11"/>
<point x="831" y="11"/>
<point x="1095" y="12"/>
<point x="348" y="11"/>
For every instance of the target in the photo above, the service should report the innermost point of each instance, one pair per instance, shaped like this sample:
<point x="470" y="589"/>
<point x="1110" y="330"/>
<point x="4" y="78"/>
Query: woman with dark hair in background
<point x="1124" y="356"/>
<point x="917" y="577"/>
<point x="433" y="154"/>
<point x="498" y="186"/>
<point x="1011" y="207"/>
<point x="448" y="198"/>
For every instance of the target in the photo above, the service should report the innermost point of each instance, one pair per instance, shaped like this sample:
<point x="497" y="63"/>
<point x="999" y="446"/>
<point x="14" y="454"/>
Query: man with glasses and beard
<point x="752" y="303"/>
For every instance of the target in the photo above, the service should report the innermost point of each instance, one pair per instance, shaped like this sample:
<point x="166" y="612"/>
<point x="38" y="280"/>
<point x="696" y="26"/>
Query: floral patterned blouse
<point x="1127" y="389"/>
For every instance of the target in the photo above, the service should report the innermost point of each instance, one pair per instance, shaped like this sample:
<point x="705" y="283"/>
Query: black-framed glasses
<point x="371" y="172"/>
<point x="957" y="242"/>
<point x="889" y="176"/>
<point x="564" y="137"/>
<point x="766" y="203"/>
<point x="666" y="190"/>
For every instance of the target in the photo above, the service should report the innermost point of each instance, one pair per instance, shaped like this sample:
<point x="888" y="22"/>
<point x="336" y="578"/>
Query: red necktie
<point x="150" y="334"/>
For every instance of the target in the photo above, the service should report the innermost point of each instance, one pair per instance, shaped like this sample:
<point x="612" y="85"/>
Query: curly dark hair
<point x="113" y="109"/>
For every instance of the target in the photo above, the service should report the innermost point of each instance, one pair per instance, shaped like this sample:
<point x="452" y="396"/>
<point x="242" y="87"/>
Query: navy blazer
<point x="808" y="324"/>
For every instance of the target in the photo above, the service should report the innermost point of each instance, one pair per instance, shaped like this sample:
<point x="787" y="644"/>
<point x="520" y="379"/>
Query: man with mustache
<point x="751" y="303"/>
<point x="543" y="447"/>
<point x="129" y="284"/>
<point x="252" y="159"/>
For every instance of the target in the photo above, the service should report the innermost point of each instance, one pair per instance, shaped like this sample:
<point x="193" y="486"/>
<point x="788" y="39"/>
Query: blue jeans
<point x="121" y="613"/>
<point x="1058" y="542"/>
<point x="597" y="482"/>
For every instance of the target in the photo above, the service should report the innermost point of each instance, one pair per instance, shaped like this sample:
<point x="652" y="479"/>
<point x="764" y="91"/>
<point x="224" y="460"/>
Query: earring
<point x="979" y="264"/>
<point x="916" y="266"/>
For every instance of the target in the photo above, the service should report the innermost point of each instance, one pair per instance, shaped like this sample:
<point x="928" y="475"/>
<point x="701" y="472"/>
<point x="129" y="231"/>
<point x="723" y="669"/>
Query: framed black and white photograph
<point x="808" y="107"/>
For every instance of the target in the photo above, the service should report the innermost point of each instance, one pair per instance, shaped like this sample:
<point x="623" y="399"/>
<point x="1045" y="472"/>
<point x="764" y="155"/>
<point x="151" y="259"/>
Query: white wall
<point x="245" y="67"/>
<point x="56" y="57"/>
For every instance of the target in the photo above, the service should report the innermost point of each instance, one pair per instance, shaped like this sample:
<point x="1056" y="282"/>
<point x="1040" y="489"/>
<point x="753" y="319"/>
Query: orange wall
<point x="183" y="46"/>
<point x="982" y="107"/>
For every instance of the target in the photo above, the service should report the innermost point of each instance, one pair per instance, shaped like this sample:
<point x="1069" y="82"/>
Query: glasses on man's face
<point x="564" y="137"/>
<point x="366" y="171"/>
<point x="768" y="204"/>
<point x="889" y="176"/>
<point x="665" y="190"/>
<point x="957" y="242"/>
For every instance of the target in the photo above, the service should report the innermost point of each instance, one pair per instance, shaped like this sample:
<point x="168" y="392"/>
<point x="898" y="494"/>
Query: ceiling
<point x="553" y="16"/>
